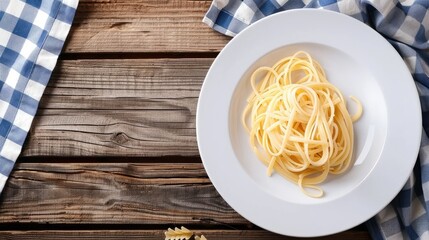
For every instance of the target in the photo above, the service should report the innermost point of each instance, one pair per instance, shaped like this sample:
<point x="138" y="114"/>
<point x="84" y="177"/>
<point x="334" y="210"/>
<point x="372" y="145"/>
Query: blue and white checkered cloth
<point x="405" y="24"/>
<point x="32" y="34"/>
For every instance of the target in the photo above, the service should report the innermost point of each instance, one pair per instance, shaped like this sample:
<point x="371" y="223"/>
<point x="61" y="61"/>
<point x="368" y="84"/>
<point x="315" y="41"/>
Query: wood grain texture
<point x="163" y="195"/>
<point x="159" y="234"/>
<point x="114" y="107"/>
<point x="142" y="26"/>
<point x="121" y="193"/>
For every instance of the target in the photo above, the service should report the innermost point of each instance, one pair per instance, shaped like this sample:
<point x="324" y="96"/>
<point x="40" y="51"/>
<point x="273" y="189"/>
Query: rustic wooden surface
<point x="158" y="234"/>
<point x="120" y="107"/>
<point x="112" y="152"/>
<point x="143" y="26"/>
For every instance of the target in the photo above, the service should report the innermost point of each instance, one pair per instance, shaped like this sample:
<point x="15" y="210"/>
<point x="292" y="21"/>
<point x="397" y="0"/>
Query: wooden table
<point x="112" y="153"/>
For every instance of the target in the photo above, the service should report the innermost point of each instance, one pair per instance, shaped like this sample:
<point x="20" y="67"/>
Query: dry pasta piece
<point x="178" y="234"/>
<point x="200" y="238"/>
<point x="299" y="124"/>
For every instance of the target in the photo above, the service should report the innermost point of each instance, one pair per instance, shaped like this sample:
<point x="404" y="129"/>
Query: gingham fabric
<point x="32" y="34"/>
<point x="405" y="24"/>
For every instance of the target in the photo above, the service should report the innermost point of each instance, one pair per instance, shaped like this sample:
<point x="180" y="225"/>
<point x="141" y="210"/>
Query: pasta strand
<point x="299" y="124"/>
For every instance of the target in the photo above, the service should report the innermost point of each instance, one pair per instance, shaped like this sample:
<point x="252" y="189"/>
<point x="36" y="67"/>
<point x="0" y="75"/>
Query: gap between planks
<point x="109" y="159"/>
<point x="159" y="234"/>
<point x="136" y="55"/>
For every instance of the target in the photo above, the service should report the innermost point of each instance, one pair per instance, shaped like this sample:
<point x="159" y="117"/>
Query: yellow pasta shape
<point x="299" y="125"/>
<point x="200" y="238"/>
<point x="178" y="234"/>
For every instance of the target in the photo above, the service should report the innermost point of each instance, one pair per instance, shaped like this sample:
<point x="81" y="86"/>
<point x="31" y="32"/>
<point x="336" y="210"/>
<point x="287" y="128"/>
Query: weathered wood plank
<point x="159" y="234"/>
<point x="120" y="193"/>
<point x="142" y="26"/>
<point x="113" y="193"/>
<point x="132" y="107"/>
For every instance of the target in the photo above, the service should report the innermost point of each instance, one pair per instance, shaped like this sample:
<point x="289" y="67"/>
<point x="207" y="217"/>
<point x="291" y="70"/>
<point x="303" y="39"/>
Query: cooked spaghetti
<point x="299" y="124"/>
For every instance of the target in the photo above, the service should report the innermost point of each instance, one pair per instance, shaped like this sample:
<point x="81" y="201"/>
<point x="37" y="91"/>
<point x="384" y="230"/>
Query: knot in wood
<point x="119" y="138"/>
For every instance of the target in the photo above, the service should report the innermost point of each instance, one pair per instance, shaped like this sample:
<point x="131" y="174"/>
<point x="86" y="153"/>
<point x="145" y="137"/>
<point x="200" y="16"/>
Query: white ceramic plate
<point x="387" y="137"/>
